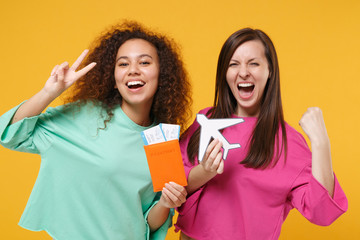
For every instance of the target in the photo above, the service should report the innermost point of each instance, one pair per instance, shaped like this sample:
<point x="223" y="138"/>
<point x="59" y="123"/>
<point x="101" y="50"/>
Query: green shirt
<point x="92" y="183"/>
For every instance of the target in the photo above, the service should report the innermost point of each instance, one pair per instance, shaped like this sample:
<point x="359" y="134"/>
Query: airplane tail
<point x="231" y="146"/>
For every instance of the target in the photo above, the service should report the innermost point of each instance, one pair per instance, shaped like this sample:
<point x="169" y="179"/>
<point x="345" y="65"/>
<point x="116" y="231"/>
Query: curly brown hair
<point x="172" y="99"/>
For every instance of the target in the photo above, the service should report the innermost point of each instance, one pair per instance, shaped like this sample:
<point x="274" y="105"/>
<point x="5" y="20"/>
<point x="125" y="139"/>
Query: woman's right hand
<point x="62" y="77"/>
<point x="211" y="165"/>
<point x="213" y="162"/>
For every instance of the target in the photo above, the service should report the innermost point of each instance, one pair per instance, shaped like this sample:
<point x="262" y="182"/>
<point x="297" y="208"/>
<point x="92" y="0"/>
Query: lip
<point x="135" y="84"/>
<point x="246" y="90"/>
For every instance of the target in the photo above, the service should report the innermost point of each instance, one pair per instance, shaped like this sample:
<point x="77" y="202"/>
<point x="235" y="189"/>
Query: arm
<point x="61" y="78"/>
<point x="209" y="167"/>
<point x="313" y="124"/>
<point x="173" y="195"/>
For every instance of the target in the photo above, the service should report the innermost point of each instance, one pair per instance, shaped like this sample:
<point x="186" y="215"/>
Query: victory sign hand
<point x="63" y="76"/>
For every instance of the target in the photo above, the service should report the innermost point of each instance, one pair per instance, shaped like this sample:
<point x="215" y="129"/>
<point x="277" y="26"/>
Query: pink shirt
<point x="246" y="203"/>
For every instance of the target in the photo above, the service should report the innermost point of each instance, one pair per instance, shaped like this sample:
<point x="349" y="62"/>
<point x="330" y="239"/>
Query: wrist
<point x="163" y="206"/>
<point x="206" y="173"/>
<point x="320" y="143"/>
<point x="46" y="96"/>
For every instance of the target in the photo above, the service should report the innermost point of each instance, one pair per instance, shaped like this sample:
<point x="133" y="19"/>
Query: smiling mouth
<point x="135" y="84"/>
<point x="246" y="89"/>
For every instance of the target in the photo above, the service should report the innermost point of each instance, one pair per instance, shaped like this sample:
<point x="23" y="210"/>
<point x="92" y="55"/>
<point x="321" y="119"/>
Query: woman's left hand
<point x="312" y="122"/>
<point x="173" y="195"/>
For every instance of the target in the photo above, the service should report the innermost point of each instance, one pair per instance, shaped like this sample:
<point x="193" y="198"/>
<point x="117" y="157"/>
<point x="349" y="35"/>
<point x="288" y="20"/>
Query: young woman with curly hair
<point x="94" y="181"/>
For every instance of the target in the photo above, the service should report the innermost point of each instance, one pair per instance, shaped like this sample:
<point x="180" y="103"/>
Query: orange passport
<point x="165" y="164"/>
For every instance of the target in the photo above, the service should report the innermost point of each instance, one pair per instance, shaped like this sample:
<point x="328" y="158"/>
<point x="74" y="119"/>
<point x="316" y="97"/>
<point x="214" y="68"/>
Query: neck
<point x="138" y="113"/>
<point x="247" y="112"/>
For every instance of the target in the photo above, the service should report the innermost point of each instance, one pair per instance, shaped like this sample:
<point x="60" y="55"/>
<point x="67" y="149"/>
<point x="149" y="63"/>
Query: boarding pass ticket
<point x="161" y="133"/>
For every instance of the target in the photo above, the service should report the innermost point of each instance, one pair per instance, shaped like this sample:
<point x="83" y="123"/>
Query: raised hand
<point x="62" y="77"/>
<point x="312" y="122"/>
<point x="173" y="195"/>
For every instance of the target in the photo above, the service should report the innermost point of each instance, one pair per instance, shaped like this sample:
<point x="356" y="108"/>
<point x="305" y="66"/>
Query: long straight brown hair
<point x="265" y="135"/>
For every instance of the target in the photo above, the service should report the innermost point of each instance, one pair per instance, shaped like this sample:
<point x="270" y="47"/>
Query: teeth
<point x="245" y="84"/>
<point x="133" y="83"/>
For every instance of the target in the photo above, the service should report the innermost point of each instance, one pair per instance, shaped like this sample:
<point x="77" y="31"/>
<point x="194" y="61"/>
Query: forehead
<point x="136" y="47"/>
<point x="250" y="49"/>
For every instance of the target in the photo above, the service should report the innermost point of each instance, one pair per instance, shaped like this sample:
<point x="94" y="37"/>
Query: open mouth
<point x="246" y="89"/>
<point x="135" y="84"/>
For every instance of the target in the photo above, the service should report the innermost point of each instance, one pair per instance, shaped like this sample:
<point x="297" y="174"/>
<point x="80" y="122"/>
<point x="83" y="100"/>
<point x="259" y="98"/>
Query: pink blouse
<point x="246" y="203"/>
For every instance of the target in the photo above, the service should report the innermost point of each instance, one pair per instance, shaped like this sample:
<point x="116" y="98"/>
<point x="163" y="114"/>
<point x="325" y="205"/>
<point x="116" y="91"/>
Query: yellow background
<point x="318" y="45"/>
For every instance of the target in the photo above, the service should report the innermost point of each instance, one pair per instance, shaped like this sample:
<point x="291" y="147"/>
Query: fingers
<point x="312" y="112"/>
<point x="54" y="70"/>
<point x="213" y="156"/>
<point x="61" y="71"/>
<point x="64" y="73"/>
<point x="85" y="70"/>
<point x="313" y="116"/>
<point x="174" y="194"/>
<point x="214" y="163"/>
<point x="220" y="169"/>
<point x="77" y="63"/>
<point x="79" y="60"/>
<point x="312" y="123"/>
<point x="210" y="148"/>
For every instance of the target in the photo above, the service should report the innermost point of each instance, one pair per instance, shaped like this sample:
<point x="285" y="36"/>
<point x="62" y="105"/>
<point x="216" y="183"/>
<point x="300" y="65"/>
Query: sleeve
<point x="313" y="201"/>
<point x="162" y="231"/>
<point x="184" y="142"/>
<point x="26" y="135"/>
<point x="192" y="199"/>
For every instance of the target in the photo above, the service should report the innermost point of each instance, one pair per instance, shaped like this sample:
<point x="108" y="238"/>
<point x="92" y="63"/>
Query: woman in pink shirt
<point x="249" y="195"/>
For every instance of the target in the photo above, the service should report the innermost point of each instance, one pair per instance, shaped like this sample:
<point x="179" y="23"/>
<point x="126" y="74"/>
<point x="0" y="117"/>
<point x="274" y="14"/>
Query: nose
<point x="243" y="72"/>
<point x="133" y="69"/>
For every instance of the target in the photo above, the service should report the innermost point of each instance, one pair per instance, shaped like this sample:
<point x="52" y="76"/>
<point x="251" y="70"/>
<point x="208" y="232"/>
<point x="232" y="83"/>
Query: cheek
<point x="230" y="76"/>
<point x="153" y="73"/>
<point x="152" y="76"/>
<point x="118" y="75"/>
<point x="262" y="76"/>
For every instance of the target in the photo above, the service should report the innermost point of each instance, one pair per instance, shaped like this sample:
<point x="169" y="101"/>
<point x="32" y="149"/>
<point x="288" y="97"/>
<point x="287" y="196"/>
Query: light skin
<point x="137" y="62"/>
<point x="136" y="77"/>
<point x="249" y="68"/>
<point x="246" y="76"/>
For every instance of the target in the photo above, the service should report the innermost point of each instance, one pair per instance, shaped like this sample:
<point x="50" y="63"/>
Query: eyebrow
<point x="252" y="59"/>
<point x="140" y="56"/>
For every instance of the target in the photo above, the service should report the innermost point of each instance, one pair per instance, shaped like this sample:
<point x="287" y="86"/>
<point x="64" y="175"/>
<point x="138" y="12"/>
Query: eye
<point x="254" y="64"/>
<point x="232" y="64"/>
<point x="144" y="63"/>
<point x="123" y="64"/>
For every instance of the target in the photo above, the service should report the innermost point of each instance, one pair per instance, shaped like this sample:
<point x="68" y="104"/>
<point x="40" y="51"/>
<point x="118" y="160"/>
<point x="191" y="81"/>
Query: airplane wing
<point x="221" y="123"/>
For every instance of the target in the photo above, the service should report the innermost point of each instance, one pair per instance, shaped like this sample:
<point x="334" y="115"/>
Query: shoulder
<point x="205" y="110"/>
<point x="75" y="111"/>
<point x="293" y="135"/>
<point x="297" y="145"/>
<point x="195" y="125"/>
<point x="77" y="108"/>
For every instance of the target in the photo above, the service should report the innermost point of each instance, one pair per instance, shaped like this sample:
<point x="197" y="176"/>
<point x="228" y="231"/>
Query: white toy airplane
<point x="210" y="129"/>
